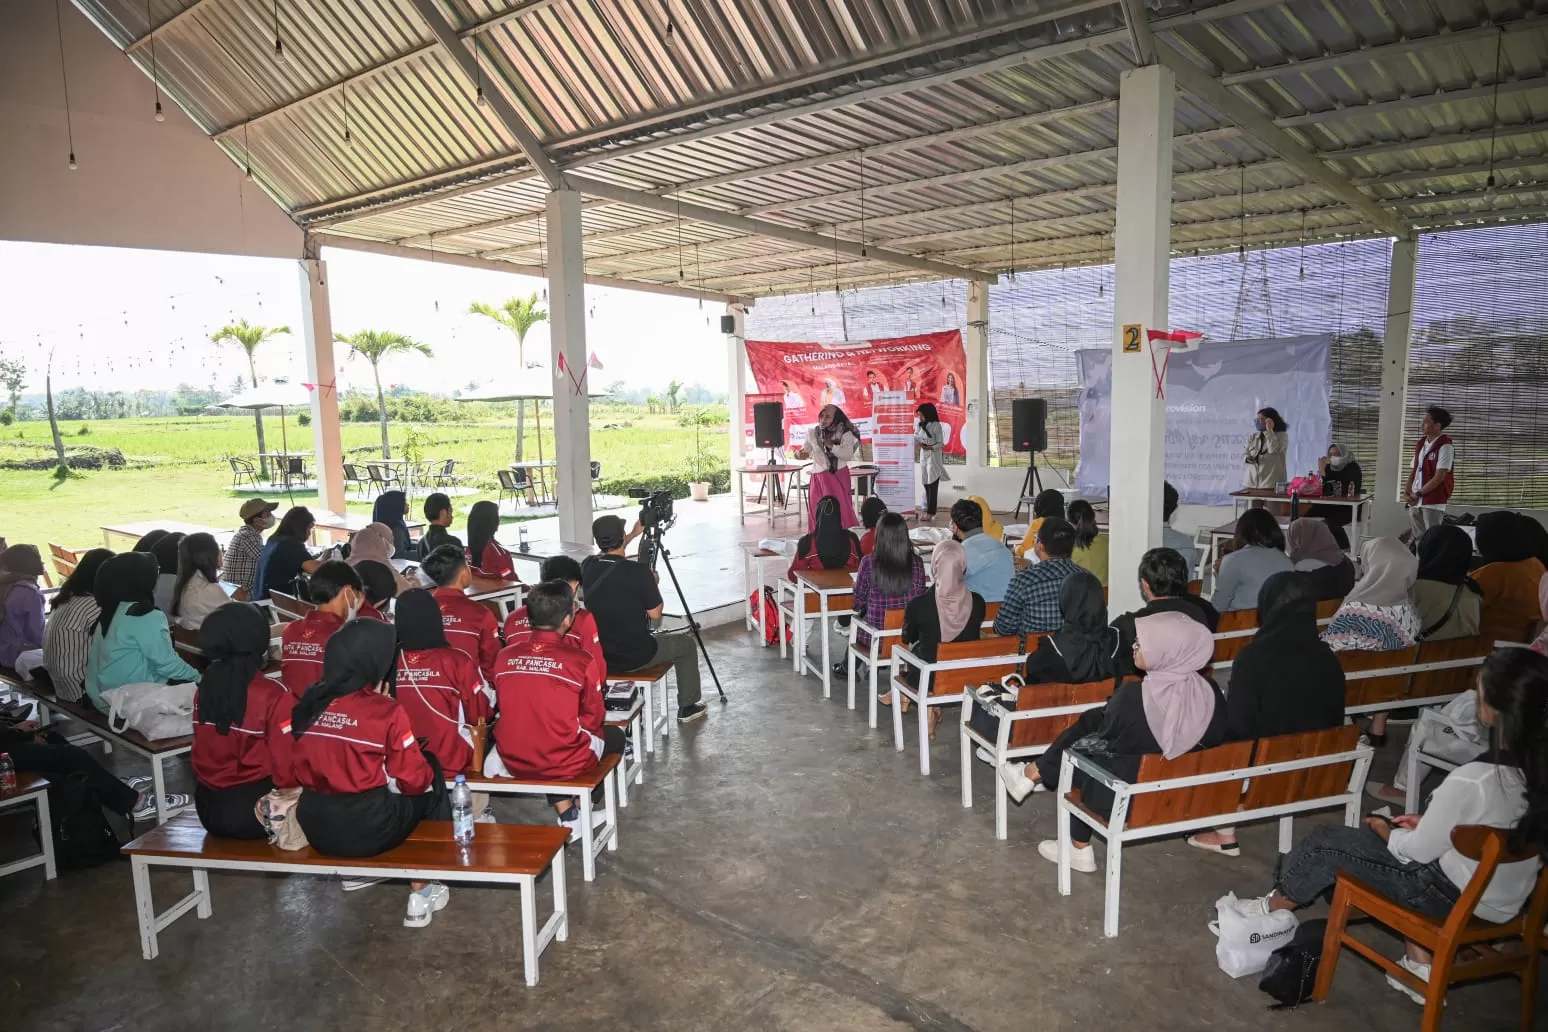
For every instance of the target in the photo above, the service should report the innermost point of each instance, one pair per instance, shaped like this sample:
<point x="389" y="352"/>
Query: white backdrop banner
<point x="1212" y="395"/>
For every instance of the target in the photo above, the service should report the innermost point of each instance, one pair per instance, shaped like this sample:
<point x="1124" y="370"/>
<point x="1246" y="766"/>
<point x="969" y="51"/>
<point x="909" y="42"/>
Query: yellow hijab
<point x="991" y="526"/>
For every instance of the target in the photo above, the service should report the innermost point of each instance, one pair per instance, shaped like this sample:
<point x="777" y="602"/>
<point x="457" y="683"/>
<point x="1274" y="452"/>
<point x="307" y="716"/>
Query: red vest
<point x="1442" y="493"/>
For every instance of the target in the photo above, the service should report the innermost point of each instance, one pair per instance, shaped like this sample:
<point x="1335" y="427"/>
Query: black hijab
<point x="1286" y="679"/>
<point x="235" y="639"/>
<point x="1086" y="644"/>
<point x="1445" y="554"/>
<point x="830" y="538"/>
<point x="81" y="582"/>
<point x="148" y="542"/>
<point x="1049" y="504"/>
<point x="389" y="510"/>
<point x="130" y="577"/>
<point x="418" y="621"/>
<point x="361" y="653"/>
<point x="1503" y="538"/>
<point x="483" y="522"/>
<point x="378" y="581"/>
<point x="165" y="552"/>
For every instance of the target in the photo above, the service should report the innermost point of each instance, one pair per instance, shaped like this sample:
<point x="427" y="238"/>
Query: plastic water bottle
<point x="521" y="534"/>
<point x="7" y="773"/>
<point x="462" y="812"/>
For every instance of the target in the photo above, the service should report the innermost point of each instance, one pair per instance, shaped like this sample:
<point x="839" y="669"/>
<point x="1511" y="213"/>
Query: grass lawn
<point x="178" y="470"/>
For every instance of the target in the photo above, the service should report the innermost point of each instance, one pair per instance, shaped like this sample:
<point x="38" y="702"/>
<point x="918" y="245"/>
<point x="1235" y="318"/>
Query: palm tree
<point x="517" y="314"/>
<point x="373" y="346"/>
<point x="249" y="337"/>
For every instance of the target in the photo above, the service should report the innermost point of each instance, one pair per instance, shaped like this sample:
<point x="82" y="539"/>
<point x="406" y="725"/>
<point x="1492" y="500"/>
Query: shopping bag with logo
<point x="1247" y="940"/>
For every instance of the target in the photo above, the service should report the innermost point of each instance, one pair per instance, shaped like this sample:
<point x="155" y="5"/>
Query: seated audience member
<point x="147" y="544"/>
<point x="829" y="546"/>
<point x="367" y="784"/>
<point x="890" y="577"/>
<point x="486" y="556"/>
<point x="1163" y="584"/>
<point x="166" y="553"/>
<point x="439" y="686"/>
<point x="241" y="724"/>
<point x="1083" y="650"/>
<point x="390" y="509"/>
<point x="246" y="545"/>
<point x="625" y="600"/>
<point x="286" y="556"/>
<point x="1341" y="476"/>
<point x="583" y="626"/>
<point x="1031" y="603"/>
<point x="991" y="527"/>
<point x="1049" y="504"/>
<point x="1378" y="614"/>
<point x="131" y="643"/>
<point x="197" y="592"/>
<point x="1259" y="554"/>
<point x="947" y="612"/>
<point x="1540" y="643"/>
<point x="1314" y="552"/>
<point x="21" y="603"/>
<point x="51" y="754"/>
<point x="439" y="516"/>
<point x="1171" y="711"/>
<point x="1450" y="603"/>
<point x="337" y="594"/>
<point x="1176" y="540"/>
<point x="1411" y="858"/>
<point x="67" y="636"/>
<point x="373" y="544"/>
<point x="469" y="626"/>
<point x="551" y="716"/>
<point x="378" y="588"/>
<point x="1513" y="566"/>
<point x="1285" y="681"/>
<point x="1090" y="543"/>
<point x="871" y="512"/>
<point x="990" y="564"/>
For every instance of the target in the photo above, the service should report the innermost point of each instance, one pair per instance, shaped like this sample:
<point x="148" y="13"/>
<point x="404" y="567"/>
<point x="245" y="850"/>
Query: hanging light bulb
<point x="160" y="115"/>
<point x="478" y="97"/>
<point x="72" y="161"/>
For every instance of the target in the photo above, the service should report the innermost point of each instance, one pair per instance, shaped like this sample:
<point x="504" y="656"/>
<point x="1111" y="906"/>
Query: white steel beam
<point x="1141" y="39"/>
<point x="166" y="23"/>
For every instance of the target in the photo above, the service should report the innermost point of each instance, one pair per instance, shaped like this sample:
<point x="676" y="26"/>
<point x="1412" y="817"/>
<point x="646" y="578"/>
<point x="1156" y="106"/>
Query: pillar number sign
<point x="1133" y="337"/>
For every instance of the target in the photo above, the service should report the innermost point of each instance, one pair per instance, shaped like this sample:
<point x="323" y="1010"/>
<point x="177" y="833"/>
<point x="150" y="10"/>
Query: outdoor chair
<point x="355" y="477"/>
<point x="517" y="484"/>
<point x="295" y="469"/>
<point x="241" y="470"/>
<point x="447" y="476"/>
<point x="382" y="477"/>
<point x="596" y="477"/>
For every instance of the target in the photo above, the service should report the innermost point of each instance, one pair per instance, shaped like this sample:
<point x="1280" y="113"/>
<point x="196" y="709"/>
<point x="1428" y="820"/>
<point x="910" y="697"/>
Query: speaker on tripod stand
<point x="1029" y="434"/>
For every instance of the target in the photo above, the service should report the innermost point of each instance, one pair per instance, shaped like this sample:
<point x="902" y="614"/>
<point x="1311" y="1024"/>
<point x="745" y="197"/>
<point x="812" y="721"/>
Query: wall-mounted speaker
<point x="728" y="324"/>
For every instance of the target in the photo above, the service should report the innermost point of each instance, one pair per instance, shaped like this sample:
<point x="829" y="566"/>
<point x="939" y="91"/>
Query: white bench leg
<point x="871" y="701"/>
<point x="144" y="907"/>
<point x="1066" y="847"/>
<point x="529" y="937"/>
<point x="45" y="832"/>
<point x="158" y="781"/>
<point x="1114" y="881"/>
<point x="201" y="880"/>
<point x="649" y="744"/>
<point x="639" y="755"/>
<point x="851" y="677"/>
<point x="827" y="659"/>
<point x="965" y="745"/>
<point x="588" y="840"/>
<point x="924" y="734"/>
<point x="610" y="793"/>
<point x="1001" y="807"/>
<point x="897" y="718"/>
<point x="666" y="682"/>
<point x="1413" y="774"/>
<point x="561" y="898"/>
<point x="1286" y="833"/>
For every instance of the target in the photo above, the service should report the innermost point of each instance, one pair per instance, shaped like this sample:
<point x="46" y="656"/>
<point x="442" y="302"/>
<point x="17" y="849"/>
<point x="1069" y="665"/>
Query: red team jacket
<point x="469" y="627"/>
<point x="257" y="747"/>
<point x="495" y="564"/>
<point x="370" y="612"/>
<point x="357" y="743"/>
<point x="547" y="707"/>
<point x="443" y="693"/>
<point x="582" y="635"/>
<point x="301" y="650"/>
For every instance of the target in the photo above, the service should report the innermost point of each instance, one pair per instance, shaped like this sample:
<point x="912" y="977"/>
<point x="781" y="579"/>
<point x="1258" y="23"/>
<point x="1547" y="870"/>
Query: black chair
<point x="596" y="478"/>
<point x="241" y="470"/>
<point x="382" y="477"/>
<point x="517" y="484"/>
<point x="355" y="477"/>
<point x="295" y="469"/>
<point x="446" y="476"/>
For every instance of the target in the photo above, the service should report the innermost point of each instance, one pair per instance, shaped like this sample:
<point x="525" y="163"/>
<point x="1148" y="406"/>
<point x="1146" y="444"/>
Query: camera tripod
<point x="654" y="546"/>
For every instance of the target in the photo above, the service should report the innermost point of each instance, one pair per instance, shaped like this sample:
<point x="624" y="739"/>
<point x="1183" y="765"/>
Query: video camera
<point x="656" y="509"/>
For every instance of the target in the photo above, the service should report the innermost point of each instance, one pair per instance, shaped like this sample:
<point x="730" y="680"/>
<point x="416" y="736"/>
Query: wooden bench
<point x="32" y="788"/>
<point x="658" y="716"/>
<point x="1429" y="674"/>
<point x="65" y="560"/>
<point x="883" y="639"/>
<point x="1289" y="774"/>
<point x="604" y="773"/>
<point x="1237" y="627"/>
<point x="958" y="666"/>
<point x="502" y="854"/>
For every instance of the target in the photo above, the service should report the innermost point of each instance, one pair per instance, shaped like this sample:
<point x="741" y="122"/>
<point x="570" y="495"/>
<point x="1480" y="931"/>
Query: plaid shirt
<point x="1031" y="603"/>
<point x="872" y="604"/>
<point x="241" y="565"/>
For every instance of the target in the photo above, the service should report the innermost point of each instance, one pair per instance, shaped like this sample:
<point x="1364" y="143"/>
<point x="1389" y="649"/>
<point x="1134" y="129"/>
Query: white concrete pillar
<point x="1393" y="459"/>
<point x="1142" y="241"/>
<point x="736" y="383"/>
<point x="322" y="371"/>
<point x="975" y="428"/>
<point x="567" y="335"/>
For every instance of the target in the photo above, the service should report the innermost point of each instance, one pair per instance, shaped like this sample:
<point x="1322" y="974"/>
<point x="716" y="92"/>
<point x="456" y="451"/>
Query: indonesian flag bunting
<point x="1176" y="336"/>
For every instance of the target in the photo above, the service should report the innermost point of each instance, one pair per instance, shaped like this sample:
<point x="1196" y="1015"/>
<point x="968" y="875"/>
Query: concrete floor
<point x="781" y="869"/>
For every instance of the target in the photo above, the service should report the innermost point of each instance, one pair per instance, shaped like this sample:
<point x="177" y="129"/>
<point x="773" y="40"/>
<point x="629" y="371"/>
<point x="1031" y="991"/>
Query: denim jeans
<point x="1311" y="868"/>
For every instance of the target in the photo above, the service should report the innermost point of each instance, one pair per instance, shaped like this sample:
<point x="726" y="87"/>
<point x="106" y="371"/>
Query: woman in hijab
<point x="1049" y="504"/>
<point x="486" y="556"/>
<point x="1343" y="478"/>
<point x="440" y="687"/>
<point x="241" y="724"/>
<point x="67" y="638"/>
<point x="1449" y="602"/>
<point x="830" y="445"/>
<point x="829" y="546"/>
<point x="365" y="791"/>
<point x="1315" y="553"/>
<point x="1512" y="568"/>
<point x="131" y="643"/>
<point x="1379" y="614"/>
<point x="21" y="603"/>
<point x="1285" y="680"/>
<point x="373" y="543"/>
<point x="992" y="528"/>
<point x="947" y="611"/>
<point x="148" y="542"/>
<point x="389" y="510"/>
<point x="166" y="578"/>
<point x="1172" y="711"/>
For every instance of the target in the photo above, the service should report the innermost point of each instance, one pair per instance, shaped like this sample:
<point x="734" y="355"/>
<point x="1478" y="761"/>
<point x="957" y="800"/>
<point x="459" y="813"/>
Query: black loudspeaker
<point x="728" y="324"/>
<point x="1029" y="425"/>
<point x="769" y="424"/>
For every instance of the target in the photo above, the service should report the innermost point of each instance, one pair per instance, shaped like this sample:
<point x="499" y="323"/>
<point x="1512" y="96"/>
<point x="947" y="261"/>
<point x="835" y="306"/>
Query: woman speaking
<point x="830" y="445"/>
<point x="1266" y="451"/>
<point x="931" y="439"/>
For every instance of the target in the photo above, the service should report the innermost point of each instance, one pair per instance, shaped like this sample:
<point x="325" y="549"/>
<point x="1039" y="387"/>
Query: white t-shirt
<point x="1442" y="461"/>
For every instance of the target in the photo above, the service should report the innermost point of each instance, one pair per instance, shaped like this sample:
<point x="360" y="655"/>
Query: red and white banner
<point x="925" y="367"/>
<point x="892" y="444"/>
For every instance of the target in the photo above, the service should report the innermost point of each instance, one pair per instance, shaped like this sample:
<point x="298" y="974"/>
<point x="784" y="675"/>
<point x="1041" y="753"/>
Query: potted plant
<point x="703" y="463"/>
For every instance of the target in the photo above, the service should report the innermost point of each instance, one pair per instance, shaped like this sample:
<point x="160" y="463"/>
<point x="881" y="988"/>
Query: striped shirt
<point x="66" y="644"/>
<point x="241" y="565"/>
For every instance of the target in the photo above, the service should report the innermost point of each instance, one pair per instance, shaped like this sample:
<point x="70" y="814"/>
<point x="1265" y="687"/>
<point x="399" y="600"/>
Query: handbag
<point x="1291" y="972"/>
<point x="156" y="711"/>
<point x="277" y="813"/>
<point x="1452" y="732"/>
<point x="1246" y="941"/>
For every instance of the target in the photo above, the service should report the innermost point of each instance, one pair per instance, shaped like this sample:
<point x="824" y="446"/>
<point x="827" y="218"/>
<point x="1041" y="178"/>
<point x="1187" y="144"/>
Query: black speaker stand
<point x="1033" y="480"/>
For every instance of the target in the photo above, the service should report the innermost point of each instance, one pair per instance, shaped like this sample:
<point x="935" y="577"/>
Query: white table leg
<point x="158" y="782"/>
<point x="144" y="906"/>
<point x="45" y="832"/>
<point x="588" y="841"/>
<point x="529" y="943"/>
<point x="561" y="897"/>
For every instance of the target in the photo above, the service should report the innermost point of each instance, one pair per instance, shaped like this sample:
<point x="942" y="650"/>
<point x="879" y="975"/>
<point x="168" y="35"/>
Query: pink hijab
<point x="373" y="543"/>
<point x="1179" y="702"/>
<point x="1541" y="643"/>
<point x="953" y="600"/>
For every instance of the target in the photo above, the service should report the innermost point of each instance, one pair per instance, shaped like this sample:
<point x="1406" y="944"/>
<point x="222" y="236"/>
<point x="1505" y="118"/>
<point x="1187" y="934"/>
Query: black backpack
<point x="82" y="835"/>
<point x="1292" y="969"/>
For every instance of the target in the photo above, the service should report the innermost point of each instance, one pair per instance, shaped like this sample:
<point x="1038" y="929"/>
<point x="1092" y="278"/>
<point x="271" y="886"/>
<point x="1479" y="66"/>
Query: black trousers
<point x="1096" y="797"/>
<point x="613" y="740"/>
<point x="932" y="493"/>
<point x="58" y="757"/>
<point x="368" y="823"/>
<point x="230" y="812"/>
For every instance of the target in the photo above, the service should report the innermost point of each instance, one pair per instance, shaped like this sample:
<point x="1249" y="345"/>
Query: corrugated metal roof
<point x="926" y="127"/>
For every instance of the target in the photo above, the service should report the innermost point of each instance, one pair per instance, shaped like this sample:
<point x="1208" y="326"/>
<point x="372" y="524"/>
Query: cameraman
<point x="623" y="597"/>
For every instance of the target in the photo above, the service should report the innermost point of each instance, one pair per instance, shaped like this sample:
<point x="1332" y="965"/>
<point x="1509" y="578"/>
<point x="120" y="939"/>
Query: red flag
<point x="1176" y="336"/>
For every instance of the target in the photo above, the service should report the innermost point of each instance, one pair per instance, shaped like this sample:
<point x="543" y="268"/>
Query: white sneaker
<point x="422" y="904"/>
<point x="1014" y="775"/>
<point x="486" y="817"/>
<point x="1253" y="906"/>
<point x="1419" y="971"/>
<point x="356" y="884"/>
<point x="571" y="819"/>
<point x="984" y="754"/>
<point x="1082" y="858"/>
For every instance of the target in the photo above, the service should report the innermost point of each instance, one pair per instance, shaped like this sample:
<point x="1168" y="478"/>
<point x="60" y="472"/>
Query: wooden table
<point x="755" y="562"/>
<point x="133" y="532"/>
<point x="1358" y="521"/>
<point x="541" y="549"/>
<point x="825" y="584"/>
<point x="343" y="525"/>
<point x="780" y="479"/>
<point x="32" y="788"/>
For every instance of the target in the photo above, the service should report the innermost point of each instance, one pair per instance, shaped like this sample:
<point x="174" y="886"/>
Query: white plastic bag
<point x="1453" y="732"/>
<point x="157" y="711"/>
<point x="1246" y="942"/>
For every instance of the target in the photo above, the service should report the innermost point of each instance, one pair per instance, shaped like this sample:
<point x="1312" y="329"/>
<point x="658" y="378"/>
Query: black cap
<point x="607" y="531"/>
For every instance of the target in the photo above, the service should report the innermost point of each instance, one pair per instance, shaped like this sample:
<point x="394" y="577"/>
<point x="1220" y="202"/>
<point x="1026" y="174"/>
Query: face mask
<point x="1338" y="461"/>
<point x="354" y="610"/>
<point x="1258" y="424"/>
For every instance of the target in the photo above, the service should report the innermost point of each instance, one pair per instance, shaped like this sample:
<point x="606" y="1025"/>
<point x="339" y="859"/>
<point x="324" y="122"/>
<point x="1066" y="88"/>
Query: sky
<point x="121" y="319"/>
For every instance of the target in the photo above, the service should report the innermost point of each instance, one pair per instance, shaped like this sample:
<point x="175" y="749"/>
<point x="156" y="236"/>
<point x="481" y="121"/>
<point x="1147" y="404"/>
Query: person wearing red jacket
<point x="367" y="783"/>
<point x="551" y="716"/>
<point x="486" y="555"/>
<point x="583" y="633"/>
<point x="378" y="586"/>
<point x="440" y="686"/>
<point x="336" y="591"/>
<point x="241" y="724"/>
<point x="469" y="626"/>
